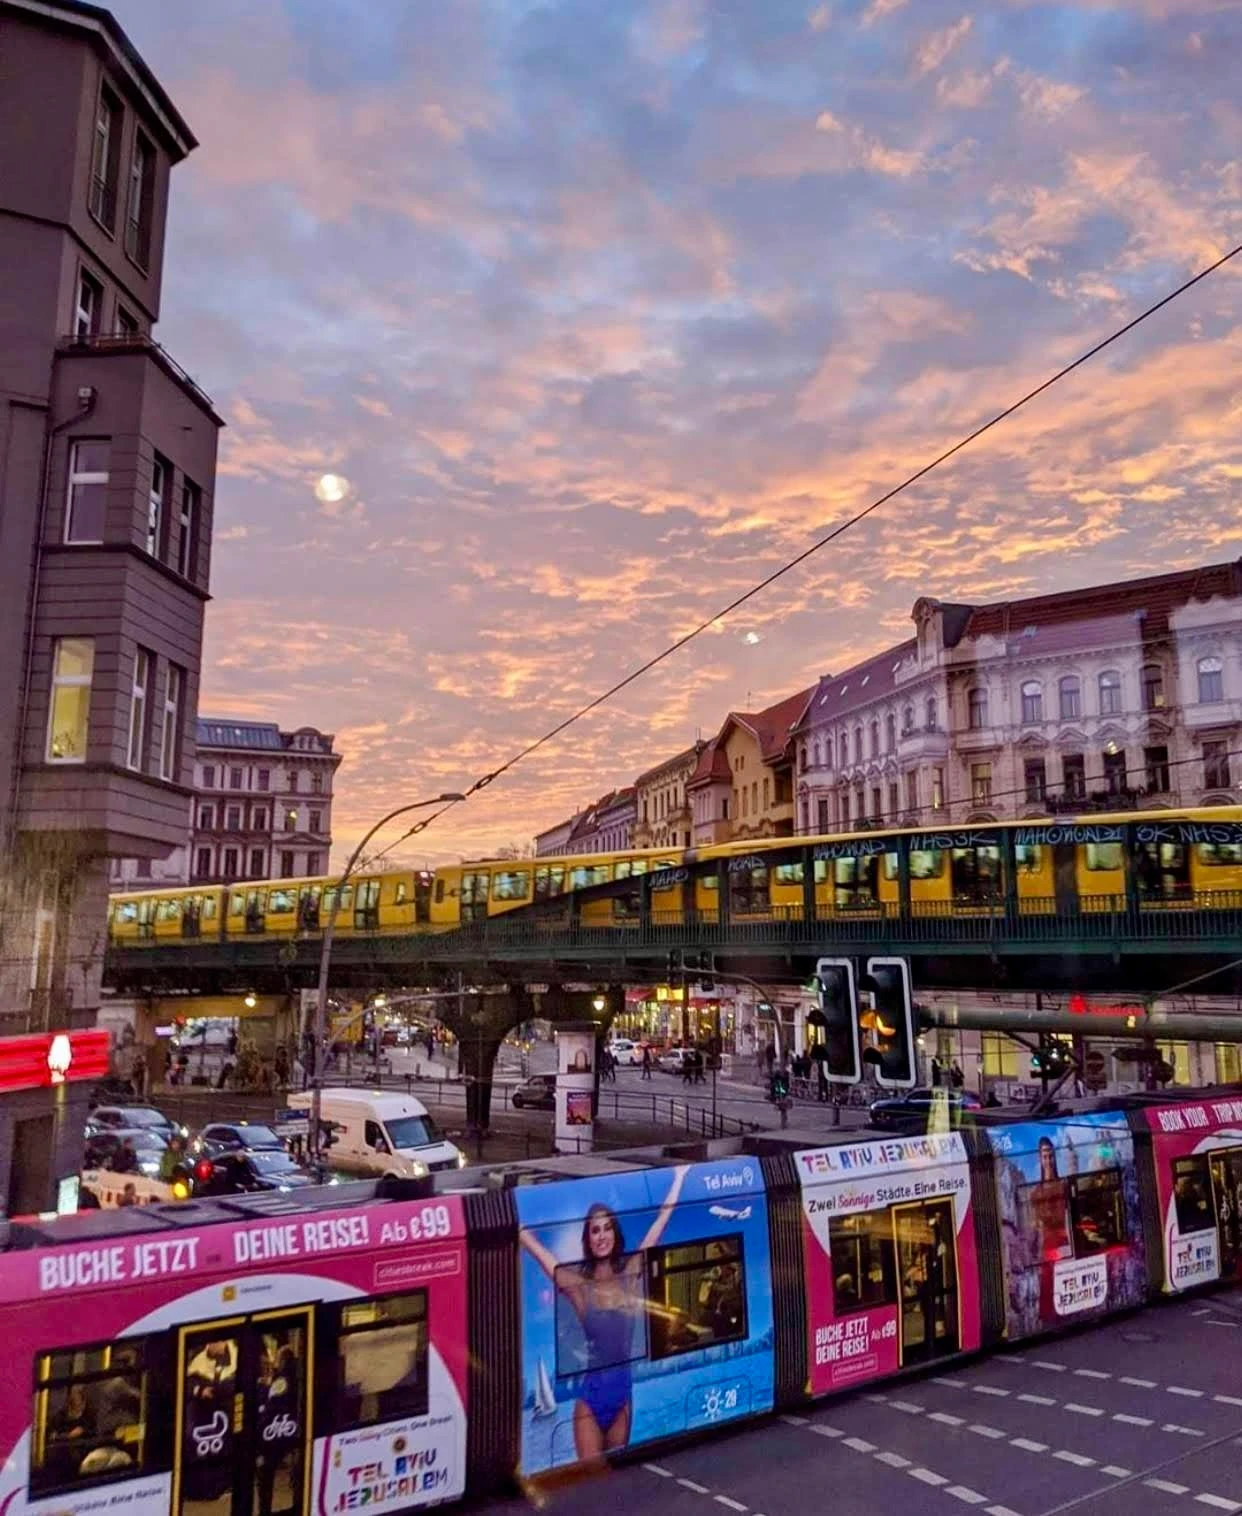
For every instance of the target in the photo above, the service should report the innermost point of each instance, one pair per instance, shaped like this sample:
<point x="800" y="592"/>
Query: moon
<point x="331" y="488"/>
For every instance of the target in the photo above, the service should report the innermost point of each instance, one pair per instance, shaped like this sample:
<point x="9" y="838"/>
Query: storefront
<point x="663" y="1015"/>
<point x="45" y="1087"/>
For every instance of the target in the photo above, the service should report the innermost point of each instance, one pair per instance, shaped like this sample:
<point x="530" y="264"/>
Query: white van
<point x="381" y="1132"/>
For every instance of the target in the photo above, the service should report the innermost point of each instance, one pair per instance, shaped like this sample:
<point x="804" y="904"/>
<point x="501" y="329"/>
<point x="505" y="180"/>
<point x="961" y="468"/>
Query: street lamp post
<point x="325" y="955"/>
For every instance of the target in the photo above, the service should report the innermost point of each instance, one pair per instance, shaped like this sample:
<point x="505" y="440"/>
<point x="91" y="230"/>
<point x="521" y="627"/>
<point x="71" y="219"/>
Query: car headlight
<point x="420" y="1169"/>
<point x="461" y="1160"/>
<point x="184" y="1131"/>
<point x="149" y="1167"/>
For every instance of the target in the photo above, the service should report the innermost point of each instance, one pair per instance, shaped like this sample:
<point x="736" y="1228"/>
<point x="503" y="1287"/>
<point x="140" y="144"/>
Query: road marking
<point x="1139" y="1384"/>
<point x="1203" y="1310"/>
<point x="821" y="1430"/>
<point x="1083" y="1410"/>
<point x="654" y="1468"/>
<point x="1172" y="1426"/>
<point x="860" y="1445"/>
<point x="963" y="1493"/>
<point x="689" y="1484"/>
<point x="1000" y="1510"/>
<point x="1092" y="1374"/>
<point x="1219" y="1502"/>
<point x="925" y="1476"/>
<point x="1212" y="1321"/>
<point x="988" y="1389"/>
<point x="1115" y="1471"/>
<point x="894" y="1460"/>
<point x="1079" y="1460"/>
<point x="1167" y="1485"/>
<point x="1132" y="1421"/>
<point x="1044" y="1363"/>
<point x="1178" y="1389"/>
<point x="1027" y="1445"/>
<point x="954" y="1379"/>
<point x="946" y="1420"/>
<point x="1227" y="1399"/>
<point x="917" y="1410"/>
<point x="1037" y="1399"/>
<point x="985" y="1431"/>
<point x="795" y="1421"/>
<point x="734" y="1505"/>
<point x="876" y="1399"/>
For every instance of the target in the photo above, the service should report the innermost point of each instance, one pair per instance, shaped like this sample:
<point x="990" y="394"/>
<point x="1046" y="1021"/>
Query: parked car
<point x="243" y="1172"/>
<point x="538" y="1093"/>
<point x="672" y="1059"/>
<point x="113" y="1118"/>
<point x="225" y="1136"/>
<point x="625" y="1052"/>
<point x="101" y="1149"/>
<point x="915" y="1107"/>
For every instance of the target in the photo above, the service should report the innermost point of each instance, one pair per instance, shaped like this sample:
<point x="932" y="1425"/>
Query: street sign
<point x="1094" y="1070"/>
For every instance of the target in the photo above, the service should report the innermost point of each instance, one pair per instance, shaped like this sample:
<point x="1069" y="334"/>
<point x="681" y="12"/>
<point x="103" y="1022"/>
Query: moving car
<point x="102" y="1148"/>
<point x="105" y="1118"/>
<point x="539" y="1093"/>
<point x="625" y="1052"/>
<point x="244" y="1171"/>
<point x="379" y="1132"/>
<point x="671" y="1060"/>
<point x="915" y="1107"/>
<point x="223" y="1136"/>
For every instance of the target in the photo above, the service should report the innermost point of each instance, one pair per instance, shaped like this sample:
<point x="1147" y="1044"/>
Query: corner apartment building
<point x="742" y="785"/>
<point x="1118" y="696"/>
<point x="662" y="802"/>
<point x="107" y="473"/>
<point x="605" y="827"/>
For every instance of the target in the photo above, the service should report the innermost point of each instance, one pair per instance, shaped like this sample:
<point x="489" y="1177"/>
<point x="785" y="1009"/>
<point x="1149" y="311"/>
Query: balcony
<point x="1212" y="715"/>
<point x="924" y="742"/>
<point x="137" y="342"/>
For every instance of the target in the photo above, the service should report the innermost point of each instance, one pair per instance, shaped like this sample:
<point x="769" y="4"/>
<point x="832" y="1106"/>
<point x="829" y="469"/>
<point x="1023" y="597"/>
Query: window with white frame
<point x="187" y="557"/>
<point x="101" y="197"/>
<point x="1070" y="695"/>
<point x="138" y="215"/>
<point x="87" y="499"/>
<point x="73" y="666"/>
<point x="1211" y="680"/>
<point x="1110" y="693"/>
<point x="138" y="708"/>
<point x="1032" y="702"/>
<point x="155" y="504"/>
<point x="170" y="740"/>
<point x="89" y="307"/>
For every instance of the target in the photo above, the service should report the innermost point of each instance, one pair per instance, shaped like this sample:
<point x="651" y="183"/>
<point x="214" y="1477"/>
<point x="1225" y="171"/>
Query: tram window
<point x="209" y="908"/>
<point x="696" y="1295"/>
<point x="1097" y="1212"/>
<point x="126" y="913"/>
<point x="90" y="1416"/>
<point x="168" y="910"/>
<point x="748" y="890"/>
<point x="864" y="1272"/>
<point x="855" y="881"/>
<point x="789" y="873"/>
<point x="237" y="904"/>
<point x="976" y="873"/>
<point x="710" y="881"/>
<point x="583" y="877"/>
<point x="401" y="894"/>
<point x="514" y="885"/>
<point x="1219" y="854"/>
<point x="1028" y="858"/>
<point x="280" y="903"/>
<point x="1102" y="857"/>
<point x="926" y="864"/>
<point x="549" y="882"/>
<point x="1192" y="1194"/>
<point x="622" y="869"/>
<point x="637" y="866"/>
<point x="383" y="1357"/>
<point x="474" y="888"/>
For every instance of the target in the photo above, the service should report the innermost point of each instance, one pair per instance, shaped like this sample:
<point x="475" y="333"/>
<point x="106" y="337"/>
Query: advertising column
<point x="575" y="1087"/>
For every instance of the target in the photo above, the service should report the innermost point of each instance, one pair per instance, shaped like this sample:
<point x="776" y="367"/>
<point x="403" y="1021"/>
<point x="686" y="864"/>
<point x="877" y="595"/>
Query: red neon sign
<point x="1079" y="1005"/>
<point x="42" y="1059"/>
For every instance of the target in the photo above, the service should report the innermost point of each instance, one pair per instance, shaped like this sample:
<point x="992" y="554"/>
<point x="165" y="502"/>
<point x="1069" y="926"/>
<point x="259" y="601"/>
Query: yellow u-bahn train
<point x="1159" y="860"/>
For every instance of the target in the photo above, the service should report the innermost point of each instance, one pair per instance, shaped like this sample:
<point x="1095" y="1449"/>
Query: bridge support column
<point x="487" y="1022"/>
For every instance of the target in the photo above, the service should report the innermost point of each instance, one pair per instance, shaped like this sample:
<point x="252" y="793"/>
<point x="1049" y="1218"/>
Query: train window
<point x="1102" y="857"/>
<point x="237" y="904"/>
<point x="696" y="1295"/>
<point x="854" y="879"/>
<point x="976" y="873"/>
<point x="748" y="890"/>
<point x="710" y="881"/>
<point x="383" y="1360"/>
<point x="1097" y="1212"/>
<point x="1028" y="858"/>
<point x="622" y="870"/>
<point x="925" y="863"/>
<point x="513" y="884"/>
<point x="1192" y="1194"/>
<point x="864" y="1272"/>
<point x="583" y="877"/>
<point x="280" y="903"/>
<point x="789" y="873"/>
<point x="346" y="901"/>
<point x="401" y="894"/>
<point x="549" y="882"/>
<point x="621" y="1339"/>
<point x="90" y="1416"/>
<point x="208" y="912"/>
<point x="1219" y="854"/>
<point x="126" y="913"/>
<point x="168" y="910"/>
<point x="439" y="890"/>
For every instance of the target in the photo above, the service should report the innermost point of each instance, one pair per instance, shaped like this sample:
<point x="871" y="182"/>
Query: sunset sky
<point x="605" y="308"/>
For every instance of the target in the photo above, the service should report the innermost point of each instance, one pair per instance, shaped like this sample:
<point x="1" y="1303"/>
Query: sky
<point x="604" y="309"/>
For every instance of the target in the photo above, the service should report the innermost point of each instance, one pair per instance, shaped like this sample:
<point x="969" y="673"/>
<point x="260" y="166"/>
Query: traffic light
<point x="779" y="1085"/>
<point x="1050" y="1059"/>
<point x="838" y="1017"/>
<point x="888" y="1026"/>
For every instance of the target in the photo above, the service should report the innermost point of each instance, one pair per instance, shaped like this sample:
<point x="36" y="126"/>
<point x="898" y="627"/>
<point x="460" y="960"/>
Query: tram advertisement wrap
<point x="1070" y="1226"/>
<point x="1198" y="1160"/>
<point x="317" y="1360"/>
<point x="646" y="1307"/>
<point x="889" y="1248"/>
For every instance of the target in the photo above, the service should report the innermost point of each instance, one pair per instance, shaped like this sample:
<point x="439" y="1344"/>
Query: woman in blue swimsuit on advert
<point x="605" y="1290"/>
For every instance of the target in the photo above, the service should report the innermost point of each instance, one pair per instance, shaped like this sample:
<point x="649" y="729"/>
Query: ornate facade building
<point x="1121" y="696"/>
<point x="605" y="827"/>
<point x="662" y="803"/>
<point x="743" y="783"/>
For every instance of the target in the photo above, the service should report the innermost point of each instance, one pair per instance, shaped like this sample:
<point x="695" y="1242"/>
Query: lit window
<point x="73" y="664"/>
<point x="1110" y="693"/>
<point x="1153" y="687"/>
<point x="375" y="1335"/>
<point x="170" y="744"/>
<point x="138" y="708"/>
<point x="88" y="492"/>
<point x="981" y="783"/>
<point x="1211" y="680"/>
<point x="696" y="1295"/>
<point x="87" y="1401"/>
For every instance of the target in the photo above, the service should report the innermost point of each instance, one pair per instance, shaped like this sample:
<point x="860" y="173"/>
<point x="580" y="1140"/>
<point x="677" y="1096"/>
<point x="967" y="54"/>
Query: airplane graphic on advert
<point x="726" y="1213"/>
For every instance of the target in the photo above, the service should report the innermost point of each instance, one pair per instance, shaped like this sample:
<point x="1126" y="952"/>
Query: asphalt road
<point x="1139" y="1417"/>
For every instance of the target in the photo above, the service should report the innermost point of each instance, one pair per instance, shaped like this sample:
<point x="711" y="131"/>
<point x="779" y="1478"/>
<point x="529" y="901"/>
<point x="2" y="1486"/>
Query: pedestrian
<point x="819" y="1056"/>
<point x="282" y="1066"/>
<point x="937" y="1071"/>
<point x="700" y="1064"/>
<point x="769" y="1057"/>
<point x="646" y="1060"/>
<point x="687" y="1066"/>
<point x="957" y="1077"/>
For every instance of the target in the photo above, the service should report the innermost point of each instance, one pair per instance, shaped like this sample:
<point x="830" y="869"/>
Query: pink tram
<point x="382" y="1347"/>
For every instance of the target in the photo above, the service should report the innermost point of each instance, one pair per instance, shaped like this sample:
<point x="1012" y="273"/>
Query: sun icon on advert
<point x="713" y="1404"/>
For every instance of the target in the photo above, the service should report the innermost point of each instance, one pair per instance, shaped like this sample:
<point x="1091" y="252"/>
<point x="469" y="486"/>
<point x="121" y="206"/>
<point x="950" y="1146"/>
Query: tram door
<point x="925" y="1236"/>
<point x="243" y="1416"/>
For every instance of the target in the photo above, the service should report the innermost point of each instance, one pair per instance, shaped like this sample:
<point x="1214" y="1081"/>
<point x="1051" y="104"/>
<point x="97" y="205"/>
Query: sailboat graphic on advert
<point x="545" y="1400"/>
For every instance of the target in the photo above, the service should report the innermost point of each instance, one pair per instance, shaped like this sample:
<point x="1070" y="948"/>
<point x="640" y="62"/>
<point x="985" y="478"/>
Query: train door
<point x="366" y="906"/>
<point x="243" y="1416"/>
<point x="1163" y="870"/>
<point x="1065" y="876"/>
<point x="925" y="1241"/>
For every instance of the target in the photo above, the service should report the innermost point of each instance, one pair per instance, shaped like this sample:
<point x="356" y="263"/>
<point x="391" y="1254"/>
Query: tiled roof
<point x="252" y="734"/>
<point x="713" y="764"/>
<point x="836" y="694"/>
<point x="685" y="756"/>
<point x="774" y="727"/>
